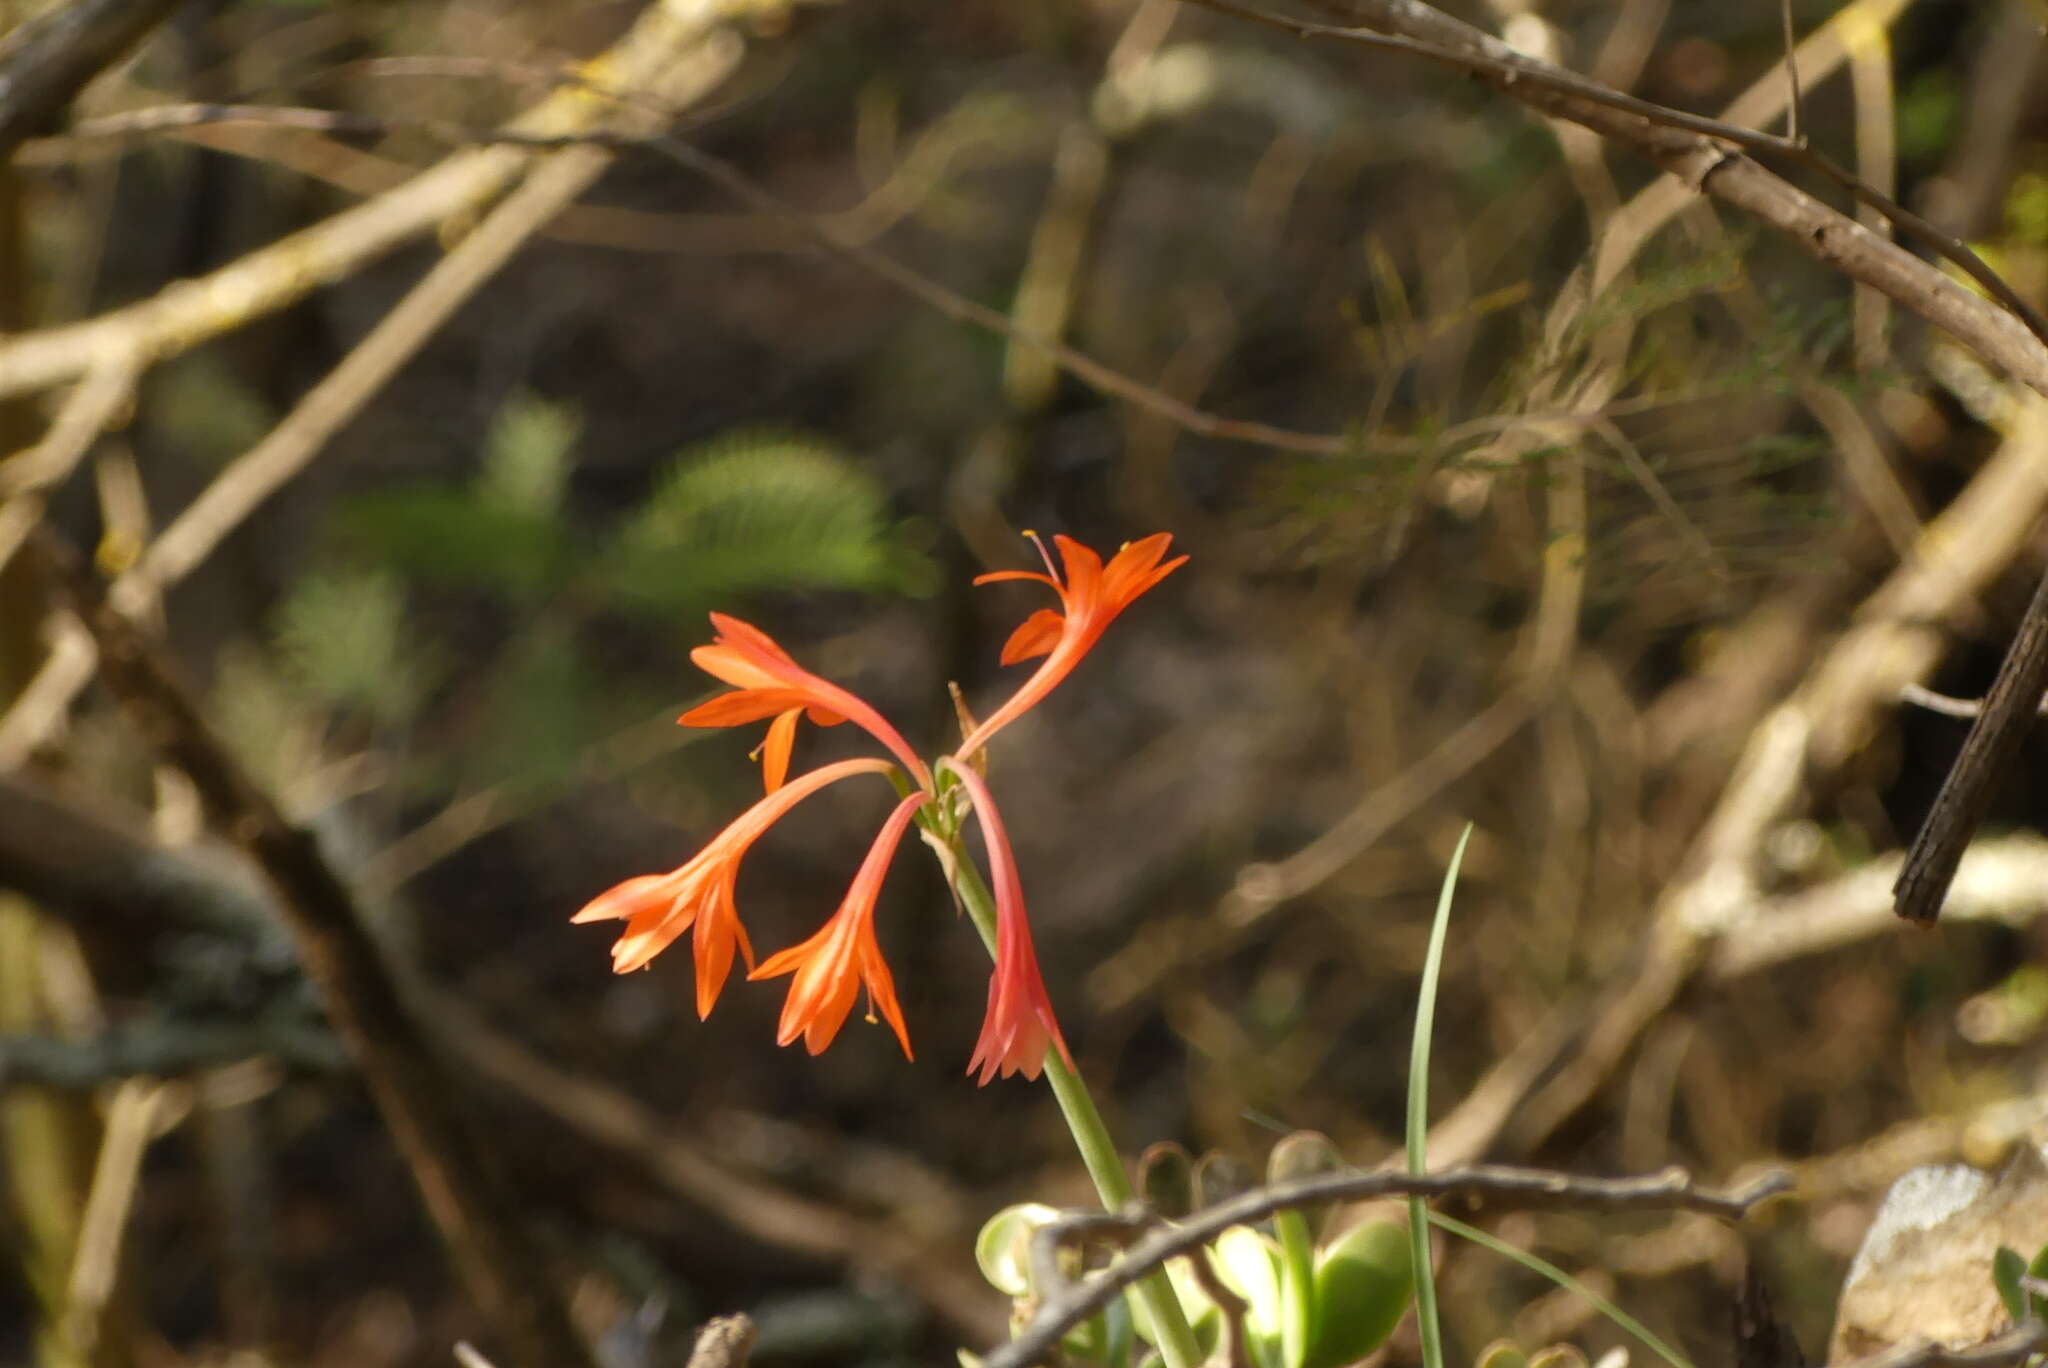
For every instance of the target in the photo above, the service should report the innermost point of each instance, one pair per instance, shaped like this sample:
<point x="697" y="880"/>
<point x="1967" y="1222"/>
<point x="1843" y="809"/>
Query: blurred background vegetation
<point x="455" y="646"/>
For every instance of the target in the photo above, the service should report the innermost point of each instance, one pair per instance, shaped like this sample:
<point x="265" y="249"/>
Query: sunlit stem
<point x="1156" y="1300"/>
<point x="1297" y="1286"/>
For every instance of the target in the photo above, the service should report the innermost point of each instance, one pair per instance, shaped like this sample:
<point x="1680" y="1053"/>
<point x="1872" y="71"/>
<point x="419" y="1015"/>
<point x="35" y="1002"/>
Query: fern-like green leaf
<point x="343" y="639"/>
<point x="766" y="511"/>
<point x="451" y="536"/>
<point x="526" y="456"/>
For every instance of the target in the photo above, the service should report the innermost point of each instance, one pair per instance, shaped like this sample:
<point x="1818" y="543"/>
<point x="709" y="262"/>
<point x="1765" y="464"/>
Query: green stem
<point x="1157" y="1302"/>
<point x="1297" y="1286"/>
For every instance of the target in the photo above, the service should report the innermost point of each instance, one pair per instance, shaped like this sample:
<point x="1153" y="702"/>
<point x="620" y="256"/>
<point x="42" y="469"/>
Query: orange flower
<point x="1019" y="1026"/>
<point x="1091" y="596"/>
<point x="657" y="908"/>
<point x="770" y="684"/>
<point x="830" y="969"/>
<point x="832" y="965"/>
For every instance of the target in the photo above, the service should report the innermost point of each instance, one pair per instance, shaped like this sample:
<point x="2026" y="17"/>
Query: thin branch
<point x="1988" y="753"/>
<point x="1673" y="1189"/>
<point x="47" y="60"/>
<point x="960" y="308"/>
<point x="2011" y="1347"/>
<point x="1948" y="705"/>
<point x="398" y="336"/>
<point x="2001" y="879"/>
<point x="482" y="1225"/>
<point x="101" y="871"/>
<point x="189" y="312"/>
<point x="1897" y="634"/>
<point x="94" y="405"/>
<point x="163" y="1049"/>
<point x="672" y="71"/>
<point x="29" y="371"/>
<point x="1712" y="169"/>
<point x="1791" y="75"/>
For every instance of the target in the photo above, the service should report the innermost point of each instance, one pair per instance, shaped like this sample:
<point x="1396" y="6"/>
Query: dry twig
<point x="48" y="59"/>
<point x="484" y="1229"/>
<point x="189" y="312"/>
<point x="1062" y="1310"/>
<point x="1698" y="149"/>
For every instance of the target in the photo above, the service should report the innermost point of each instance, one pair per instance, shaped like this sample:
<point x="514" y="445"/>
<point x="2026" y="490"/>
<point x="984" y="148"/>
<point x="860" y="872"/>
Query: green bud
<point x="1558" y="1356"/>
<point x="1220" y="1177"/>
<point x="1306" y="1154"/>
<point x="1166" y="1180"/>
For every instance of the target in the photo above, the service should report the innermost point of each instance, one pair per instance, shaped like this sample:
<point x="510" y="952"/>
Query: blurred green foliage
<point x="744" y="514"/>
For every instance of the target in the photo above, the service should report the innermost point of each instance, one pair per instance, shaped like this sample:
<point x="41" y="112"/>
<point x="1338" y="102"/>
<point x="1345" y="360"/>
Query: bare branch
<point x="1673" y="1189"/>
<point x="2002" y="879"/>
<point x="49" y="59"/>
<point x="189" y="312"/>
<point x="1791" y="73"/>
<point x="2011" y="1347"/>
<point x="485" y="1232"/>
<point x="1988" y="753"/>
<point x="1897" y="634"/>
<point x="1948" y="705"/>
<point x="1697" y="149"/>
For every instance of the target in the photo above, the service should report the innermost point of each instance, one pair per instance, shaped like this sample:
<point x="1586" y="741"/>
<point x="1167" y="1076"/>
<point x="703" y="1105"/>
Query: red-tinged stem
<point x="1155" y="1295"/>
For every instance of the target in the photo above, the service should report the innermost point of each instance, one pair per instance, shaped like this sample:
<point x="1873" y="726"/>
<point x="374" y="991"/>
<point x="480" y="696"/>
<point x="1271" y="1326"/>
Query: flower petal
<point x="771" y="684"/>
<point x="699" y="893"/>
<point x="775" y="749"/>
<point x="1091" y="596"/>
<point x="831" y="967"/>
<point x="1018" y="1027"/>
<point x="1038" y="634"/>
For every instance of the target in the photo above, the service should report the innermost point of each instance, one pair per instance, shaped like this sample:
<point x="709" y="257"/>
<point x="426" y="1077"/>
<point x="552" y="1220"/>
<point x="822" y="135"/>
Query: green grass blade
<point x="1418" y="1113"/>
<point x="1565" y="1280"/>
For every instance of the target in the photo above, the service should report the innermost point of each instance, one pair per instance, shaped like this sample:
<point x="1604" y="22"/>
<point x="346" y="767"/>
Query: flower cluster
<point x="831" y="968"/>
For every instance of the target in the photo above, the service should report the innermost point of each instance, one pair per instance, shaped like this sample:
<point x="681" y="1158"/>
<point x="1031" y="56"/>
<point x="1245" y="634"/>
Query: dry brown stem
<point x="485" y="1231"/>
<point x="1895" y="637"/>
<point x="1702" y="152"/>
<point x="666" y="61"/>
<point x="189" y="312"/>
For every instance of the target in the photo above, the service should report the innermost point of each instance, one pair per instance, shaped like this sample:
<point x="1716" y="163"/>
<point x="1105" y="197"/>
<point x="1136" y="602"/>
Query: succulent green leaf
<point x="1501" y="1354"/>
<point x="1558" y="1356"/>
<point x="1250" y="1266"/>
<point x="2007" y="1268"/>
<point x="1363" y="1286"/>
<point x="1003" y="1247"/>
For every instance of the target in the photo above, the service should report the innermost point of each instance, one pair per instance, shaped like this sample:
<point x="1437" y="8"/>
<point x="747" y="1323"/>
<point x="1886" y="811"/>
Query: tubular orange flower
<point x="770" y="684"/>
<point x="1019" y="1025"/>
<point x="832" y="965"/>
<point x="830" y="968"/>
<point x="1091" y="596"/>
<point x="657" y="908"/>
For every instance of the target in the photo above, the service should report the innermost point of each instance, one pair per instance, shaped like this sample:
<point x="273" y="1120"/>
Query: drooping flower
<point x="657" y="908"/>
<point x="1091" y="597"/>
<point x="833" y="965"/>
<point x="1019" y="1025"/>
<point x="830" y="969"/>
<point x="767" y="683"/>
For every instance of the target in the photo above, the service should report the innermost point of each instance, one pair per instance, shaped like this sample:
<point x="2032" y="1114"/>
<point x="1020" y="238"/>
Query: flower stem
<point x="1157" y="1303"/>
